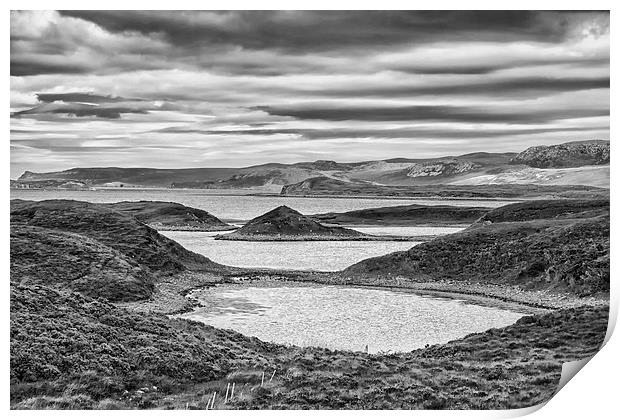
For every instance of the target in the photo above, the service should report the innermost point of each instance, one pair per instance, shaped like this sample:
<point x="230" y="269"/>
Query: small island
<point x="407" y="215"/>
<point x="285" y="224"/>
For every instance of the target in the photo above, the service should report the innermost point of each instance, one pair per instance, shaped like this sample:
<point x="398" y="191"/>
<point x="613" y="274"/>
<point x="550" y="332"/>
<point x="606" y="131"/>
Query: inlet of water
<point x="344" y="318"/>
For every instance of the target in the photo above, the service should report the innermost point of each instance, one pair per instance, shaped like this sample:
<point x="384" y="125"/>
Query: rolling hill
<point x="561" y="246"/>
<point x="92" y="249"/>
<point x="566" y="155"/>
<point x="324" y="186"/>
<point x="532" y="166"/>
<point x="170" y="216"/>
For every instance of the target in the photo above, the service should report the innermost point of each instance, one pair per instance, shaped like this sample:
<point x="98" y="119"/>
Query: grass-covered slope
<point x="167" y="215"/>
<point x="324" y="186"/>
<point x="72" y="352"/>
<point x="68" y="260"/>
<point x="114" y="229"/>
<point x="513" y="367"/>
<point x="414" y="214"/>
<point x="546" y="209"/>
<point x="565" y="255"/>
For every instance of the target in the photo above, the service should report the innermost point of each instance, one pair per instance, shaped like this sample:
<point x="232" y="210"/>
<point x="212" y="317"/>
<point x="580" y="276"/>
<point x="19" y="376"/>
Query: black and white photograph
<point x="306" y="209"/>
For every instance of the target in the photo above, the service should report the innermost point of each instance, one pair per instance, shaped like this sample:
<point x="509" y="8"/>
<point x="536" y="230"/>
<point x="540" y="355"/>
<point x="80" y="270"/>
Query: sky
<point x="181" y="89"/>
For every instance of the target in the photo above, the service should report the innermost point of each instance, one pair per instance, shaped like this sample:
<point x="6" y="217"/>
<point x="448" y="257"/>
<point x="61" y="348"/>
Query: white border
<point x="593" y="394"/>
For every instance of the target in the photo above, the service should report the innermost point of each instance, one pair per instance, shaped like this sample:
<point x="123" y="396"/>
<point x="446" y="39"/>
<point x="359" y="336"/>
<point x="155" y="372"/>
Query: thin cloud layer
<point x="202" y="88"/>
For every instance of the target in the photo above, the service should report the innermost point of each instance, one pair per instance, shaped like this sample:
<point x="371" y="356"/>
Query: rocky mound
<point x="170" y="216"/>
<point x="415" y="215"/>
<point x="284" y="223"/>
<point x="566" y="155"/>
<point x="565" y="255"/>
<point x="98" y="243"/>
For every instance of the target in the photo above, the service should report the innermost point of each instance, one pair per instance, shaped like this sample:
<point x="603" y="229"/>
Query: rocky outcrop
<point x="566" y="155"/>
<point x="441" y="168"/>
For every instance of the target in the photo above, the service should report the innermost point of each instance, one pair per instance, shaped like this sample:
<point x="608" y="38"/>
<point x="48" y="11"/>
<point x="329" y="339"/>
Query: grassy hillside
<point x="472" y="168"/>
<point x="546" y="209"/>
<point x="68" y="260"/>
<point x="563" y="254"/>
<point x="71" y="349"/>
<point x="393" y="170"/>
<point x="414" y="214"/>
<point x="114" y="229"/>
<point x="324" y="186"/>
<point x="513" y="367"/>
<point x="76" y="351"/>
<point x="129" y="176"/>
<point x="595" y="176"/>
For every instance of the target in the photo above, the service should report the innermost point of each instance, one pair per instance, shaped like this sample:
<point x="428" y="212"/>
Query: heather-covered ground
<point x="546" y="248"/>
<point x="408" y="215"/>
<point x="171" y="216"/>
<point x="70" y="351"/>
<point x="72" y="348"/>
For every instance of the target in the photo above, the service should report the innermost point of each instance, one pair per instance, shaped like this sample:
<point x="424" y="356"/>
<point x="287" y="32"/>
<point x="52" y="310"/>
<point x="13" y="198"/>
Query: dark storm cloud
<point x="303" y="31"/>
<point x="78" y="110"/>
<point x="79" y="97"/>
<point x="397" y="133"/>
<point x="429" y="113"/>
<point x="85" y="104"/>
<point x="224" y="41"/>
<point x="241" y="88"/>
<point x="529" y="85"/>
<point x="475" y="69"/>
<point x="29" y="67"/>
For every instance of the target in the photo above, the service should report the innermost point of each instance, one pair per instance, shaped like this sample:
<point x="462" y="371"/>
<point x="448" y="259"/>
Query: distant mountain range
<point x="575" y="163"/>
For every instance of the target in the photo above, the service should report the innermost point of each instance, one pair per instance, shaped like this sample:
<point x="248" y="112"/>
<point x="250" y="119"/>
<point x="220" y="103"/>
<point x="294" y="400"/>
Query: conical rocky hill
<point x="284" y="223"/>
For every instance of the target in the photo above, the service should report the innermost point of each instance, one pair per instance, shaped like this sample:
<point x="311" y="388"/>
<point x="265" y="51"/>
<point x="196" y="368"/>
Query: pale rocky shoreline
<point x="189" y="228"/>
<point x="171" y="296"/>
<point x="311" y="238"/>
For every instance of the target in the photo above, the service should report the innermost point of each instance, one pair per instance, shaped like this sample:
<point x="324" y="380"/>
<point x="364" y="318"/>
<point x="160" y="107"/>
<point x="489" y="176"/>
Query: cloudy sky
<point x="206" y="89"/>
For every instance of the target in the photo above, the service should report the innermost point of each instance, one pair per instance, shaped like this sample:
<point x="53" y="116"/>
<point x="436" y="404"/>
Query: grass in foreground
<point x="72" y="352"/>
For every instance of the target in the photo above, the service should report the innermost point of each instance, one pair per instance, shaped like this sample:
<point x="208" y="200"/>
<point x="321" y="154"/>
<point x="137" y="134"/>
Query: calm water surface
<point x="311" y="255"/>
<point x="238" y="207"/>
<point x="344" y="318"/>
